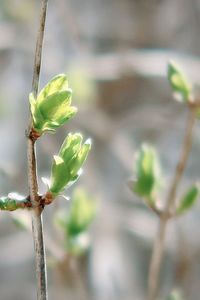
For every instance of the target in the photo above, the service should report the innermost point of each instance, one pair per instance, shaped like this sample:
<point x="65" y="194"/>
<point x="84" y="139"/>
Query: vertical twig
<point x="158" y="249"/>
<point x="32" y="171"/>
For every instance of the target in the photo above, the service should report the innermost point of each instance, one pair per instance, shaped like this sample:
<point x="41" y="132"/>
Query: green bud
<point x="179" y="84"/>
<point x="188" y="200"/>
<point x="148" y="173"/>
<point x="67" y="164"/>
<point x="13" y="201"/>
<point x="52" y="108"/>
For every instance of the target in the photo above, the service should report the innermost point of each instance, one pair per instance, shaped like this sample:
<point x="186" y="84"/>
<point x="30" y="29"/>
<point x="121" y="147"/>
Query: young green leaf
<point x="179" y="84"/>
<point x="80" y="158"/>
<point x="71" y="146"/>
<point x="60" y="176"/>
<point x="56" y="84"/>
<point x="67" y="164"/>
<point x="188" y="200"/>
<point x="148" y="173"/>
<point x="52" y="108"/>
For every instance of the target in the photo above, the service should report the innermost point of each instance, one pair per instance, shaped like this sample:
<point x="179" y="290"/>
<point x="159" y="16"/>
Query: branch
<point x="158" y="249"/>
<point x="37" y="226"/>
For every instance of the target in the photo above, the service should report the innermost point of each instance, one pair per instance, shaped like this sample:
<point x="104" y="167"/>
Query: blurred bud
<point x="67" y="164"/>
<point x="82" y="212"/>
<point x="52" y="108"/>
<point x="75" y="222"/>
<point x="77" y="245"/>
<point x="175" y="295"/>
<point x="148" y="173"/>
<point x="179" y="84"/>
<point x="189" y="199"/>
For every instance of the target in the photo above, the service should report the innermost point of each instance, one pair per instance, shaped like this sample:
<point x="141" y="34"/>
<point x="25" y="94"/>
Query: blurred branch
<point x="158" y="249"/>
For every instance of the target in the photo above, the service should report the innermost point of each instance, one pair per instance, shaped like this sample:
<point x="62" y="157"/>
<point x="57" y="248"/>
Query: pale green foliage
<point x="179" y="83"/>
<point x="175" y="295"/>
<point x="147" y="172"/>
<point x="189" y="199"/>
<point x="67" y="164"/>
<point x="52" y="108"/>
<point x="76" y="221"/>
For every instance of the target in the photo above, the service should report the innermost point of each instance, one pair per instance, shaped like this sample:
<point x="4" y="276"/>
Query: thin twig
<point x="38" y="50"/>
<point x="37" y="226"/>
<point x="158" y="249"/>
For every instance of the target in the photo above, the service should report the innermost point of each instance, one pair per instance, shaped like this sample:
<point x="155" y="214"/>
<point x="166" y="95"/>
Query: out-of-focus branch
<point x="158" y="249"/>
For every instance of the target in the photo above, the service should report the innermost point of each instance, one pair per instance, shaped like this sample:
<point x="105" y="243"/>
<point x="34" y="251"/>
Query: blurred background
<point x="115" y="54"/>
